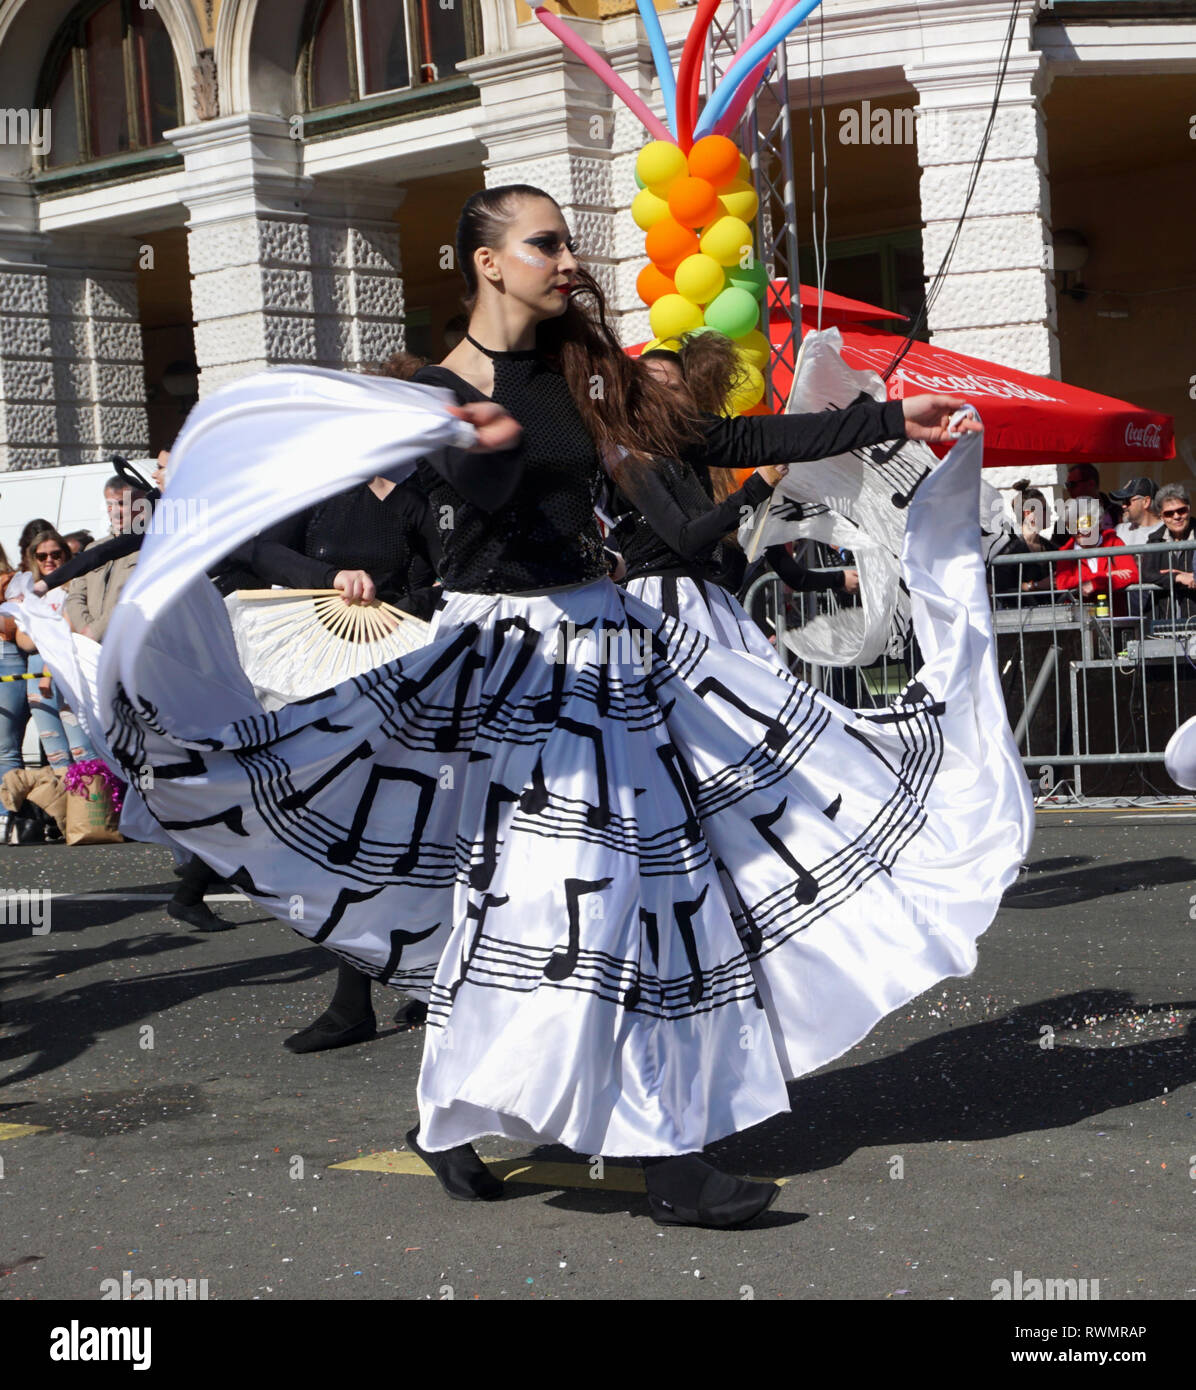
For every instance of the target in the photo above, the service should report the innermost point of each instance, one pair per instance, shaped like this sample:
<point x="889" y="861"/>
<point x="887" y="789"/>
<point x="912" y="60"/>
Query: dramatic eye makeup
<point x="551" y="244"/>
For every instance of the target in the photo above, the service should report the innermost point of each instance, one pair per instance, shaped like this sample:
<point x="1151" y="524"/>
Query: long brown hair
<point x="624" y="409"/>
<point x="712" y="370"/>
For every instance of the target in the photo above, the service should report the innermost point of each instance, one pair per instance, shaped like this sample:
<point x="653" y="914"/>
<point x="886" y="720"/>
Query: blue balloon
<point x="660" y="57"/>
<point x="723" y="94"/>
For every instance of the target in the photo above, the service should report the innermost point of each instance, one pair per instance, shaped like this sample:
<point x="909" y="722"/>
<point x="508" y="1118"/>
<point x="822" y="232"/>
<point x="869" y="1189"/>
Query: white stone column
<point x="95" y="335"/>
<point x="72" y="376"/>
<point x="998" y="298"/>
<point x="249" y="246"/>
<point x="357" y="288"/>
<point x="27" y="417"/>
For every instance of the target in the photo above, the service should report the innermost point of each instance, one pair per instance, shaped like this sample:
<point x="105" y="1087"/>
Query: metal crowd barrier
<point x="1094" y="685"/>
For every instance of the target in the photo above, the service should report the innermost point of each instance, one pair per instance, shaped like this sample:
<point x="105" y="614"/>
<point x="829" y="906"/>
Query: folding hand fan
<point x="294" y="643"/>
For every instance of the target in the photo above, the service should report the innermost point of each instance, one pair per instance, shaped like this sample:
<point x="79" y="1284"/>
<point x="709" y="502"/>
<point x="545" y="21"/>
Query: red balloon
<point x="651" y="283"/>
<point x="693" y="202"/>
<point x="668" y="243"/>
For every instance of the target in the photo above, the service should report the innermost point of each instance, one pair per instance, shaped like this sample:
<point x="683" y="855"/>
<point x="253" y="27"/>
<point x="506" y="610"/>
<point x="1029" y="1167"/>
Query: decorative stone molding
<point x="205" y="87"/>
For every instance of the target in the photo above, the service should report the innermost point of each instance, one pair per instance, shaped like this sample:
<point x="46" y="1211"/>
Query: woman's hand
<point x="928" y="418"/>
<point x="851" y="581"/>
<point x="44" y="685"/>
<point x="496" y="430"/>
<point x="355" y="586"/>
<point x="772" y="473"/>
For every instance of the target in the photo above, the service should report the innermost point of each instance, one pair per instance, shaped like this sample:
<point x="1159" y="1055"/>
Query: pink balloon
<point x="602" y="69"/>
<point x="747" y="87"/>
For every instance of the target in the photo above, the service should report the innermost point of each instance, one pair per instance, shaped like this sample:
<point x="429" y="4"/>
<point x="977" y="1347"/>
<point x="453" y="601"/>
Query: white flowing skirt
<point x="643" y="879"/>
<point x="707" y="607"/>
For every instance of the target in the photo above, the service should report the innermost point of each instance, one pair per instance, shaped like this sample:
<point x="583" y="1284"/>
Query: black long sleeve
<point x="115" y="548"/>
<point x="753" y="441"/>
<point x="277" y="556"/>
<point x="798" y="575"/>
<point x="486" y="481"/>
<point x="689" y="537"/>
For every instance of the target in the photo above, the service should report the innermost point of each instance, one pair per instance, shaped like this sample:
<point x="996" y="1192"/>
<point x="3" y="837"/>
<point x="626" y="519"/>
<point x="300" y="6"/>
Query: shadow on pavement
<point x="1083" y="885"/>
<point x="986" y="1081"/>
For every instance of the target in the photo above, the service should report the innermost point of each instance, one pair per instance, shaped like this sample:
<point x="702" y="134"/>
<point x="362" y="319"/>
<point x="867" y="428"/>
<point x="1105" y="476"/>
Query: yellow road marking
<point x="19" y="1131"/>
<point x="615" y="1178"/>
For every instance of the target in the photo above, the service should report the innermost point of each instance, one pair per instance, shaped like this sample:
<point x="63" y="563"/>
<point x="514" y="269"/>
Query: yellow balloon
<point x="661" y="345"/>
<point x="658" y="164"/>
<point x="699" y="278"/>
<point x="647" y="209"/>
<point x="672" y="316"/>
<point x="747" y="391"/>
<point x="738" y="199"/>
<point x="727" y="240"/>
<point x="745" y="169"/>
<point x="755" y="348"/>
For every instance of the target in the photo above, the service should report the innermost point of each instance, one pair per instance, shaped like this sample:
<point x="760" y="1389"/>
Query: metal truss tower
<point x="765" y="136"/>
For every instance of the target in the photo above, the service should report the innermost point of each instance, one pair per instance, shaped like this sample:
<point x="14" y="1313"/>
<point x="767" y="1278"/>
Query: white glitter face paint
<point x="536" y="262"/>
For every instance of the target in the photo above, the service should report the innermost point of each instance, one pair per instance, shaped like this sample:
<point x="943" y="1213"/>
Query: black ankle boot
<point x="687" y="1191"/>
<point x="411" y="1013"/>
<point x="330" y="1030"/>
<point x="462" y="1173"/>
<point x="198" y="916"/>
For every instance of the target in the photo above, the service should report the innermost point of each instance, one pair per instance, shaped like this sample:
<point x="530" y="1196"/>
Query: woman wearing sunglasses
<point x="57" y="727"/>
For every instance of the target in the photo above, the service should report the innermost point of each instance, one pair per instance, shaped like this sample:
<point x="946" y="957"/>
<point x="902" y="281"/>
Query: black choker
<point x="496" y="356"/>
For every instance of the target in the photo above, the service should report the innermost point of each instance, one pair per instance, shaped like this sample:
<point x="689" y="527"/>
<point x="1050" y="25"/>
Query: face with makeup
<point x="536" y="264"/>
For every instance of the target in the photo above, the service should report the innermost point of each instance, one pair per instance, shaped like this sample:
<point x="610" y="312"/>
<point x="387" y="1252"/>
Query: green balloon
<point x="639" y="183"/>
<point x="734" y="312"/>
<point x="754" y="279"/>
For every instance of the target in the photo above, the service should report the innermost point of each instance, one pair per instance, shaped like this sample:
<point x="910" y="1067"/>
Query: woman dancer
<point x="587" y="817"/>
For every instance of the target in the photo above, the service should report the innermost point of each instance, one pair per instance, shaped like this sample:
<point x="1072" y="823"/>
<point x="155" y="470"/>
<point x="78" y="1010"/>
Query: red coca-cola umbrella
<point x="1027" y="419"/>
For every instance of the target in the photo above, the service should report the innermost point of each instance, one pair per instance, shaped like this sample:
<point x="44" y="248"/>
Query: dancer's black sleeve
<point x="276" y="557"/>
<point x="487" y="481"/>
<point x="688" y="537"/>
<point x="421" y="580"/>
<point x="799" y="576"/>
<point x="115" y="548"/>
<point x="751" y="441"/>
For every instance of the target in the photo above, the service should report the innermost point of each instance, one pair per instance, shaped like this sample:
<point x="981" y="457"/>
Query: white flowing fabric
<point x="707" y="607"/>
<point x="642" y="879"/>
<point x="858" y="501"/>
<point x="1179" y="757"/>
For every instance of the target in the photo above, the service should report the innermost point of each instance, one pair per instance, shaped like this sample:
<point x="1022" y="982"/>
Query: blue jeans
<point x="60" y="733"/>
<point x="14" y="707"/>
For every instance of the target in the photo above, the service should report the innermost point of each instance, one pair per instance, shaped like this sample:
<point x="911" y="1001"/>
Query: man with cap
<point x="1138" y="516"/>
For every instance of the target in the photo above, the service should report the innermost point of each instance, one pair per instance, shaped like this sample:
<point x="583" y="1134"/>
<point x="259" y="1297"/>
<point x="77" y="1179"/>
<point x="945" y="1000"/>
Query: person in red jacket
<point x="1103" y="573"/>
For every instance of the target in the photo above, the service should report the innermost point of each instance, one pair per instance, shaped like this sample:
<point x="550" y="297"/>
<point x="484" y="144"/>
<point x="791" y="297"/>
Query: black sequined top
<point x="524" y="519"/>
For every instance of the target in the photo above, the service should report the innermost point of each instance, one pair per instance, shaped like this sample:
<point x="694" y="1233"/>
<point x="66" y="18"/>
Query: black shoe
<point x="411" y="1013"/>
<point x="329" y="1030"/>
<point x="722" y="1201"/>
<point x="199" y="917"/>
<point x="462" y="1173"/>
<point x="215" y="885"/>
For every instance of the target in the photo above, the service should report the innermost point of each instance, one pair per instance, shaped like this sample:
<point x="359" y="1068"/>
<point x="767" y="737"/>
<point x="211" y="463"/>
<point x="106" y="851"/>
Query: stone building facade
<point x="249" y="220"/>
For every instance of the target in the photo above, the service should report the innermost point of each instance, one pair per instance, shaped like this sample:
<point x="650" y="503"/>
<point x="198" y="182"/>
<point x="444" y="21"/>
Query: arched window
<point x="360" y="48"/>
<point x="111" y="83"/>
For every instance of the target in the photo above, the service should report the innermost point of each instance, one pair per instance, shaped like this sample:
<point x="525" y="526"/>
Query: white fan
<point x="294" y="643"/>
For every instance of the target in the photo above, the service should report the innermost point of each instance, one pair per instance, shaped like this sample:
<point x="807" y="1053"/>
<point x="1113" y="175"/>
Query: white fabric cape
<point x="642" y="879"/>
<point x="857" y="501"/>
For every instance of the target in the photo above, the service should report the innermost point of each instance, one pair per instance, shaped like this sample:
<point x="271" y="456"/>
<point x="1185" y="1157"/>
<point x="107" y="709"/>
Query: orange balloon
<point x="668" y="243"/>
<point x="715" y="159"/>
<point x="693" y="202"/>
<point x="651" y="283"/>
<point x="760" y="408"/>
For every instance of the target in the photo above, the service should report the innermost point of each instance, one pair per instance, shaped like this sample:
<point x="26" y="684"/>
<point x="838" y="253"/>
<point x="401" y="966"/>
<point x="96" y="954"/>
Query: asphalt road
<point x="1034" y="1118"/>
